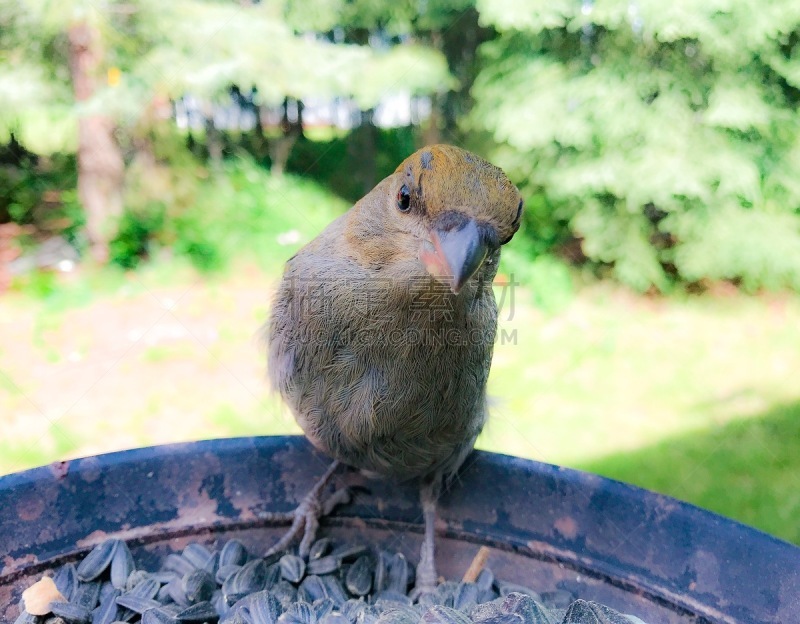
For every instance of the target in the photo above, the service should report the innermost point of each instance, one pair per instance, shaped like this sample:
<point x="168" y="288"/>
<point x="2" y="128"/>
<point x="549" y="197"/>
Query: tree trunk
<point x="100" y="166"/>
<point x="281" y="148"/>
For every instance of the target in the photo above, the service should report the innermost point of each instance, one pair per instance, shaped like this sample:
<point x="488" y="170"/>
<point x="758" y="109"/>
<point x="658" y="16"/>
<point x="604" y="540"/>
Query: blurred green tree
<point x="78" y="76"/>
<point x="664" y="135"/>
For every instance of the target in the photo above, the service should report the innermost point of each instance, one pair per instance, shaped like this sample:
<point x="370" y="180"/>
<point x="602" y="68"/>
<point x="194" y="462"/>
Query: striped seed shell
<point x="225" y="572"/>
<point x="446" y="592"/>
<point x="359" y="577"/>
<point x="26" y="618"/>
<point x="504" y="618"/>
<point x="136" y="577"/>
<point x="368" y="615"/>
<point x="233" y="553"/>
<point x="212" y="565"/>
<point x="351" y="609"/>
<point x="389" y="598"/>
<point x="136" y="603"/>
<point x="156" y="616"/>
<point x="71" y="612"/>
<point x="382" y="571"/>
<point x="465" y="596"/>
<point x="320" y="548"/>
<point x="198" y="586"/>
<point x="311" y="589"/>
<point x="66" y="580"/>
<point x="285" y="592"/>
<point x="106" y="611"/>
<point x="348" y="552"/>
<point x="588" y="612"/>
<point x="508" y="588"/>
<point x="298" y="613"/>
<point x="178" y="564"/>
<point x="531" y="611"/>
<point x="485" y="611"/>
<point x="322" y="607"/>
<point x="485" y="579"/>
<point x="334" y="618"/>
<point x="196" y="554"/>
<point x="146" y="588"/>
<point x="292" y="568"/>
<point x="398" y="615"/>
<point x="249" y="579"/>
<point x="87" y="595"/>
<point x="121" y="565"/>
<point x="98" y="559"/>
<point x="263" y="608"/>
<point x="273" y="575"/>
<point x="444" y="615"/>
<point x="199" y="612"/>
<point x="175" y="591"/>
<point x="335" y="590"/>
<point x="323" y="565"/>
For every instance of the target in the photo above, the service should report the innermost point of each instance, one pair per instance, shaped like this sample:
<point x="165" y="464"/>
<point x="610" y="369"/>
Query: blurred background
<point x="159" y="161"/>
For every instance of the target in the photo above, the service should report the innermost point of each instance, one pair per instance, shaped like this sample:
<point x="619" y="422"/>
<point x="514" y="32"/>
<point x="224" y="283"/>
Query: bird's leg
<point x="426" y="570"/>
<point x="306" y="516"/>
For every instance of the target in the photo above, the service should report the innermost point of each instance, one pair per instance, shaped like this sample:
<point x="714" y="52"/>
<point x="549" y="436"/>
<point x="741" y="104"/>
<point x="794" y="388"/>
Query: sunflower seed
<point x="446" y="591"/>
<point x="66" y="580"/>
<point x="196" y="554"/>
<point x="178" y="564"/>
<point x="368" y="615"/>
<point x="334" y="618"/>
<point x="485" y="611"/>
<point x="26" y="618"/>
<point x="359" y="577"/>
<point x="198" y="586"/>
<point x="398" y="615"/>
<point x="147" y="588"/>
<point x="212" y="565"/>
<point x="136" y="577"/>
<point x="349" y="553"/>
<point x="507" y="588"/>
<point x="233" y="553"/>
<point x="465" y="596"/>
<point x="390" y="598"/>
<point x="121" y="565"/>
<point x="485" y="579"/>
<point x="588" y="612"/>
<point x="136" y="603"/>
<point x="272" y="576"/>
<point x="398" y="574"/>
<point x="322" y="607"/>
<point x="70" y="612"/>
<point x="311" y="589"/>
<point x="225" y="572"/>
<point x="285" y="592"/>
<point x="292" y="568"/>
<point x="298" y="613"/>
<point x="527" y="608"/>
<point x="249" y="579"/>
<point x="199" y="612"/>
<point x="444" y="615"/>
<point x="175" y="591"/>
<point x="352" y="608"/>
<point x="87" y="595"/>
<point x="382" y="571"/>
<point x="96" y="562"/>
<point x="156" y="616"/>
<point x="320" y="548"/>
<point x="164" y="577"/>
<point x="106" y="611"/>
<point x="504" y="618"/>
<point x="334" y="589"/>
<point x="263" y="608"/>
<point x="323" y="565"/>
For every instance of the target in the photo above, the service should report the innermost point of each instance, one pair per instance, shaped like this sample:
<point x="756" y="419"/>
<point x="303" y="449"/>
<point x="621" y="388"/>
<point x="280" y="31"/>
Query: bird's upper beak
<point x="453" y="255"/>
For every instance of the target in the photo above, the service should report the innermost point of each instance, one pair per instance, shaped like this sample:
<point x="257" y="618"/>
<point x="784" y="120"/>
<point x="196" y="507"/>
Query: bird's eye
<point x="403" y="199"/>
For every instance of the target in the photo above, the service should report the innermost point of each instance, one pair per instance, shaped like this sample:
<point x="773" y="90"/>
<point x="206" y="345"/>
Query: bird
<point x="382" y="328"/>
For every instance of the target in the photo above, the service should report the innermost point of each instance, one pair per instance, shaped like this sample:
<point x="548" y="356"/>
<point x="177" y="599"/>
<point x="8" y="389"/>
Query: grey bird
<point x="382" y="329"/>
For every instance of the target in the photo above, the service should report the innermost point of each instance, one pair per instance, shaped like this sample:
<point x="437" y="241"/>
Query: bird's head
<point x="443" y="208"/>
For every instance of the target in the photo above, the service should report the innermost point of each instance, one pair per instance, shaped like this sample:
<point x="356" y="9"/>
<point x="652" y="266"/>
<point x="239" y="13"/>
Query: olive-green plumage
<point x="383" y="365"/>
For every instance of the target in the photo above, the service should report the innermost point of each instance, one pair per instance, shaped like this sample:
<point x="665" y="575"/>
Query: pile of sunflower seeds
<point x="342" y="584"/>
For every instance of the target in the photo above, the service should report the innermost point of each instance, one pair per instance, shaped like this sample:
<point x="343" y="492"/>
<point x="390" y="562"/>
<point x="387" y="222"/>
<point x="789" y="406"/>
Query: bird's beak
<point x="452" y="256"/>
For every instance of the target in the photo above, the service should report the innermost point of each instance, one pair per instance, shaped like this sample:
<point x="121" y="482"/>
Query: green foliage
<point x="664" y="133"/>
<point x="134" y="234"/>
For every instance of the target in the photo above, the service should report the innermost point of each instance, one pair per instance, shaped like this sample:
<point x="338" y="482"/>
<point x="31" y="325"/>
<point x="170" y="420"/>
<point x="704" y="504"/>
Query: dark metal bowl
<point x="548" y="527"/>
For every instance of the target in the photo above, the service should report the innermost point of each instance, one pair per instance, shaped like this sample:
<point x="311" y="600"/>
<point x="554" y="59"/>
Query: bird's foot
<point x="306" y="516"/>
<point x="426" y="580"/>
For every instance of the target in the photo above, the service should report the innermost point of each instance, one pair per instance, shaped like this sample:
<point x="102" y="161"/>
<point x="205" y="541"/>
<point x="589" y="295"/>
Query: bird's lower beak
<point x="452" y="256"/>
